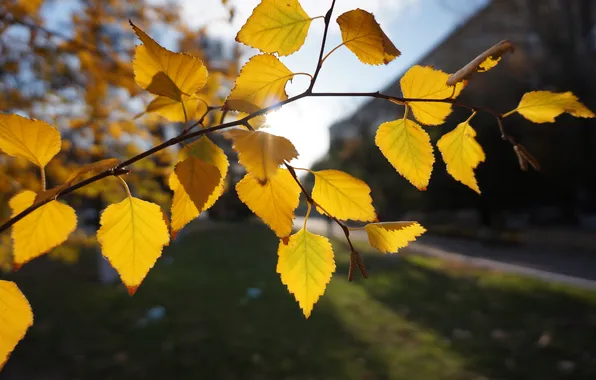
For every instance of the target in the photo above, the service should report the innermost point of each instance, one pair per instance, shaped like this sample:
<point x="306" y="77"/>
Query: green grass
<point x="415" y="318"/>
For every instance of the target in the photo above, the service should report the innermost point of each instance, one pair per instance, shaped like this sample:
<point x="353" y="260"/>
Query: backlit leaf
<point x="276" y="26"/>
<point x="132" y="236"/>
<point x="183" y="208"/>
<point x="199" y="179"/>
<point x="425" y="82"/>
<point x="261" y="153"/>
<point x="166" y="73"/>
<point x="16" y="317"/>
<point x="33" y="140"/>
<point x="43" y="229"/>
<point x="545" y="106"/>
<point x="388" y="237"/>
<point x="407" y="147"/>
<point x="462" y="154"/>
<point x="261" y="83"/>
<point x="274" y="202"/>
<point x="343" y="196"/>
<point x="173" y="111"/>
<point x="305" y="265"/>
<point x="364" y="37"/>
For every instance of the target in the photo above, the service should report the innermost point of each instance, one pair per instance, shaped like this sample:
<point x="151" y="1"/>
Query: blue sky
<point x="414" y="26"/>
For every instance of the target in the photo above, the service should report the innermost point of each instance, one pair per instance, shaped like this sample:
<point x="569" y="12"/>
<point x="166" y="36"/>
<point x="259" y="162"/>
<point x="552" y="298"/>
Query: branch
<point x="322" y="51"/>
<point x="118" y="170"/>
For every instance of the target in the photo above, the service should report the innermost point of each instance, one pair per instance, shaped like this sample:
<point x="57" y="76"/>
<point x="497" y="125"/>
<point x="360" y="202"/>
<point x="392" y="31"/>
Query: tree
<point x="133" y="231"/>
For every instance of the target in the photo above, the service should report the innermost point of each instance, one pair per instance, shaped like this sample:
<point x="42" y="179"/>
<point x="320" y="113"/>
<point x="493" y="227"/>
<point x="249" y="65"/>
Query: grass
<point x="415" y="318"/>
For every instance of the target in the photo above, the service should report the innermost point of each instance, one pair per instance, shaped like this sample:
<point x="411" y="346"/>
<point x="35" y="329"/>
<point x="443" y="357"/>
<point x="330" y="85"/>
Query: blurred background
<point x="501" y="287"/>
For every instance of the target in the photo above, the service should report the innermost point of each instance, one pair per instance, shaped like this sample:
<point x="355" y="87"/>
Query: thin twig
<point x="322" y="51"/>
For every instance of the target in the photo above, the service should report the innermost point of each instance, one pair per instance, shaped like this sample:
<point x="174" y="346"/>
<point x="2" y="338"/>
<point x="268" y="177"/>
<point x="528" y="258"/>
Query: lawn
<point x="227" y="316"/>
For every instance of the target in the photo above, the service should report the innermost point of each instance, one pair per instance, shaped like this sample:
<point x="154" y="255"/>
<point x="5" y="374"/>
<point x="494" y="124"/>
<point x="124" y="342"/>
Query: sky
<point x="414" y="26"/>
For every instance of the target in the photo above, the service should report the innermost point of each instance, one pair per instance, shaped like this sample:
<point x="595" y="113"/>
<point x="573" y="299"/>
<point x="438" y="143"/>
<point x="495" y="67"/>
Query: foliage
<point x="134" y="231"/>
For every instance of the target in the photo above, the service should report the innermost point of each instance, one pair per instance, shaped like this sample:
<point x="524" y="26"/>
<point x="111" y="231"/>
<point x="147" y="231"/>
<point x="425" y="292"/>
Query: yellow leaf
<point x="183" y="208"/>
<point x="276" y="26"/>
<point x="362" y="34"/>
<point x="95" y="167"/>
<point x="273" y="202"/>
<point x="43" y="229"/>
<point x="305" y="265"/>
<point x="32" y="8"/>
<point x="16" y="317"/>
<point x="173" y="111"/>
<point x="388" y="237"/>
<point x="407" y="147"/>
<point x="424" y="82"/>
<point x="261" y="153"/>
<point x="199" y="179"/>
<point x="483" y="62"/>
<point x="343" y="196"/>
<point x="261" y="83"/>
<point x="132" y="236"/>
<point x="462" y="154"/>
<point x="166" y="73"/>
<point x="544" y="106"/>
<point x="33" y="140"/>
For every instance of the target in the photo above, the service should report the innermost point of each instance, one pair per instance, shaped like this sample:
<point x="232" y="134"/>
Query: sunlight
<point x="303" y="129"/>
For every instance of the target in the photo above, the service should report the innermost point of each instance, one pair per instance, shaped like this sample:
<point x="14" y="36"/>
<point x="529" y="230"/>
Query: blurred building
<point x="555" y="50"/>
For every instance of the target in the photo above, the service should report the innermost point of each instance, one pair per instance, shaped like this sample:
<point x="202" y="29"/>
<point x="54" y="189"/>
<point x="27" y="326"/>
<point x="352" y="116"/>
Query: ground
<point x="226" y="315"/>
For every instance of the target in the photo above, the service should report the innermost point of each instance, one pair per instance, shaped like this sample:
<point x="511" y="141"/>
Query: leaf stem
<point x="300" y="73"/>
<point x="309" y="207"/>
<point x="509" y="113"/>
<point x="42" y="171"/>
<point x="331" y="51"/>
<point x="125" y="186"/>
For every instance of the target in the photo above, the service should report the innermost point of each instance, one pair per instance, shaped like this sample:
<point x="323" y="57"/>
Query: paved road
<point x="557" y="265"/>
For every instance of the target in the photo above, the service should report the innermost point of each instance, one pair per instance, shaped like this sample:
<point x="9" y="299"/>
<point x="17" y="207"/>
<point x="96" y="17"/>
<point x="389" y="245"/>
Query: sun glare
<point x="308" y="136"/>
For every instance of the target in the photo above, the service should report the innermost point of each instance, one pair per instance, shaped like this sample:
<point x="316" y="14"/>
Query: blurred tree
<point x="70" y="64"/>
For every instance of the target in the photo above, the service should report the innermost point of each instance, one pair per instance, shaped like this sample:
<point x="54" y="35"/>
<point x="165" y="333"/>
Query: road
<point x="556" y="265"/>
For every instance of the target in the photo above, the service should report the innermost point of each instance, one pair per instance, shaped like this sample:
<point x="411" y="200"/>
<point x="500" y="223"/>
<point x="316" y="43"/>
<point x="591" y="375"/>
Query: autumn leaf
<point x="173" y="110"/>
<point x="261" y="83"/>
<point x="343" y="196"/>
<point x="199" y="179"/>
<point x="166" y="73"/>
<point x="273" y="202"/>
<point x="261" y="153"/>
<point x="31" y="8"/>
<point x="425" y="82"/>
<point x="33" y="140"/>
<point x="407" y="147"/>
<point x="545" y="106"/>
<point x="183" y="209"/>
<point x="132" y="236"/>
<point x="94" y="167"/>
<point x="276" y="26"/>
<point x="41" y="230"/>
<point x="389" y="237"/>
<point x="16" y="316"/>
<point x="362" y="34"/>
<point x="482" y="63"/>
<point x="462" y="154"/>
<point x="305" y="265"/>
